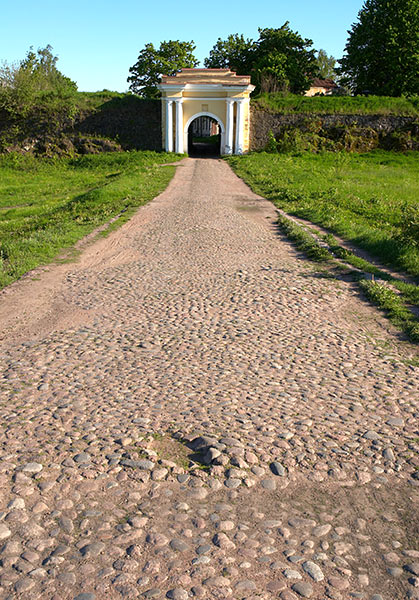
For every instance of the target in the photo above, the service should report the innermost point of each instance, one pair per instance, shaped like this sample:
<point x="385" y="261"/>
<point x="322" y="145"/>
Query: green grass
<point x="48" y="205"/>
<point x="388" y="300"/>
<point x="409" y="291"/>
<point x="351" y="258"/>
<point x="396" y="305"/>
<point x="303" y="240"/>
<point x="369" y="199"/>
<point x="95" y="99"/>
<point x="209" y="139"/>
<point x="348" y="105"/>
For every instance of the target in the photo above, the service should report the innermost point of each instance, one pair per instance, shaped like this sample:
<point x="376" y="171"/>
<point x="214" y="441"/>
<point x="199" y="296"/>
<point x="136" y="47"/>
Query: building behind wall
<point x="204" y="127"/>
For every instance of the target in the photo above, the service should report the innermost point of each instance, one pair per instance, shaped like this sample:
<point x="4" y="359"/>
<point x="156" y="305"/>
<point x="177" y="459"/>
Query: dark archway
<point x="204" y="137"/>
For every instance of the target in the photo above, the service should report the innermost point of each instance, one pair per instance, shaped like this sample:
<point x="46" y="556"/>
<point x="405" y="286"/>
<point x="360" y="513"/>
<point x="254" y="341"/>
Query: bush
<point x="272" y="145"/>
<point x="401" y="141"/>
<point x="35" y="98"/>
<point x="313" y="136"/>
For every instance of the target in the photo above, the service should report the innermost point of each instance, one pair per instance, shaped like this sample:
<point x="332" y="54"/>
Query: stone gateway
<point x="216" y="93"/>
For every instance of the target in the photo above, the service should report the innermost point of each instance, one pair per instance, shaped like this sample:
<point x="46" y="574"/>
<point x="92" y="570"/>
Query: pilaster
<point x="169" y="125"/>
<point x="239" y="125"/>
<point x="179" y="125"/>
<point x="229" y="126"/>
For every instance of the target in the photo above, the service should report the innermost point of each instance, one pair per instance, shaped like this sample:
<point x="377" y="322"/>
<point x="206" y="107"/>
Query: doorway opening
<point x="204" y="137"/>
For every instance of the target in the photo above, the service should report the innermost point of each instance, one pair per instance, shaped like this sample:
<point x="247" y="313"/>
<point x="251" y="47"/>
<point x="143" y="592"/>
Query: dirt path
<point x="193" y="411"/>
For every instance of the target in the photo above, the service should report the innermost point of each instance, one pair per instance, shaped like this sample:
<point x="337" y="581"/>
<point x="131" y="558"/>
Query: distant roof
<point x="205" y="76"/>
<point x="324" y="83"/>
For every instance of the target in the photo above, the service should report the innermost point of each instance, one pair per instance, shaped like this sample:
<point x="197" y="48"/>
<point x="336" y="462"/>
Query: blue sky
<point x="98" y="40"/>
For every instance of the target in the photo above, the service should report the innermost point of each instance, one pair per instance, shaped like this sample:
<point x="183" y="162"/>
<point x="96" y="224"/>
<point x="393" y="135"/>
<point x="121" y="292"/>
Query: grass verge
<point x="385" y="298"/>
<point x="48" y="205"/>
<point x="368" y="199"/>
<point x="348" y="105"/>
<point x="388" y="223"/>
<point x="381" y="293"/>
<point x="89" y="100"/>
<point x="303" y="240"/>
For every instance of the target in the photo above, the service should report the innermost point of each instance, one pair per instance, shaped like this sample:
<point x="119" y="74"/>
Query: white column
<point x="179" y="125"/>
<point x="229" y="126"/>
<point x="169" y="125"/>
<point x="239" y="126"/>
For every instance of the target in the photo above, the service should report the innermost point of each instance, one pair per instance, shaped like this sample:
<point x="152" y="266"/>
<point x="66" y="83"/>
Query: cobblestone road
<point x="194" y="411"/>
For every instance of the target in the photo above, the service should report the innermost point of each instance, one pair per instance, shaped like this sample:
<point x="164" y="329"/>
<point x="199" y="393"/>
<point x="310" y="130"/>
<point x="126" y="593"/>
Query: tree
<point x="285" y="59"/>
<point x="325" y="64"/>
<point x="270" y="73"/>
<point x="382" y="51"/>
<point x="280" y="60"/>
<point x="41" y="67"/>
<point x="152" y="63"/>
<point x="35" y="84"/>
<point x="37" y="101"/>
<point x="235" y="53"/>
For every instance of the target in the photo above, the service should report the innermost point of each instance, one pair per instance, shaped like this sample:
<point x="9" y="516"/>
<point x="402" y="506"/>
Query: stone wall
<point x="263" y="122"/>
<point x="127" y="122"/>
<point x="131" y="121"/>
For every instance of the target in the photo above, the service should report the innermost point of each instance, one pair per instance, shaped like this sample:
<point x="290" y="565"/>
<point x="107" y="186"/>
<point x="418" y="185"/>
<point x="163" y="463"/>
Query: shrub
<point x="35" y="98"/>
<point x="272" y="144"/>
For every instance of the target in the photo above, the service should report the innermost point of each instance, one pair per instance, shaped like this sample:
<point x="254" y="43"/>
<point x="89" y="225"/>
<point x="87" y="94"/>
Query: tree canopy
<point x="382" y="52"/>
<point x="36" y="99"/>
<point x="284" y="60"/>
<point x="279" y="60"/>
<point x="236" y="53"/>
<point x="325" y="64"/>
<point x="152" y="63"/>
<point x="33" y="83"/>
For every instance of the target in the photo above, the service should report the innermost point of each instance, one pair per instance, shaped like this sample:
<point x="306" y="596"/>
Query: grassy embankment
<point x="96" y="99"/>
<point x="291" y="103"/>
<point x="48" y="205"/>
<point x="367" y="199"/>
<point x="345" y="105"/>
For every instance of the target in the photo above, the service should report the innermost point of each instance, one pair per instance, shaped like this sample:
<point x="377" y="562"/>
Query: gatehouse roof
<point x="223" y="77"/>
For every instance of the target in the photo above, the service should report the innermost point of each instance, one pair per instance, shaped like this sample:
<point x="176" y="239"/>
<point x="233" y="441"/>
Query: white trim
<point x="229" y="126"/>
<point x="205" y="114"/>
<point x="179" y="120"/>
<point x="169" y="125"/>
<point x="204" y="87"/>
<point x="239" y="126"/>
<point x="224" y="98"/>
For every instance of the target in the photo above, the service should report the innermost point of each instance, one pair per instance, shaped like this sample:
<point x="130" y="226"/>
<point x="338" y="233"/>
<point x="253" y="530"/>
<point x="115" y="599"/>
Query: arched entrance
<point x="204" y="135"/>
<point x="216" y="93"/>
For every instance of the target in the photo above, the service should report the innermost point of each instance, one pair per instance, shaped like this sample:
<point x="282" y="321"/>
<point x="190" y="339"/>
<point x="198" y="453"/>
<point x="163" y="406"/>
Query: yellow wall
<point x="217" y="107"/>
<point x="193" y="107"/>
<point x="246" y="134"/>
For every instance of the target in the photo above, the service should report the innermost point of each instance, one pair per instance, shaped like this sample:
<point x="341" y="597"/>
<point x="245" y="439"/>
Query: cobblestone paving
<point x="225" y="423"/>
